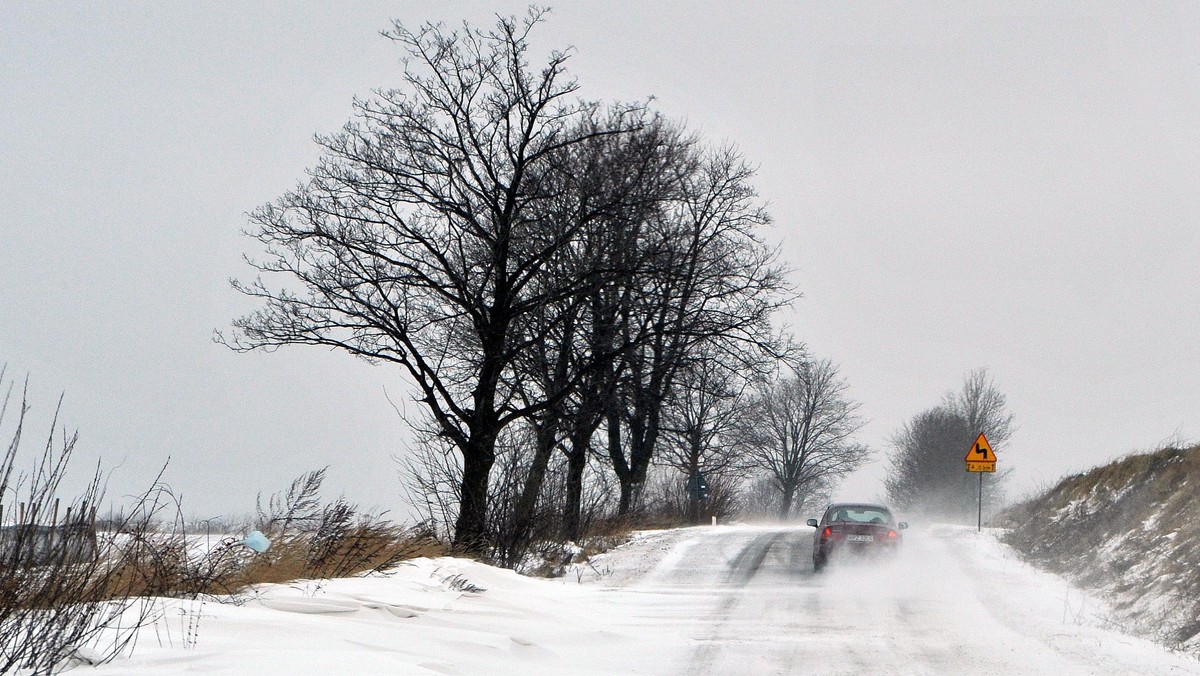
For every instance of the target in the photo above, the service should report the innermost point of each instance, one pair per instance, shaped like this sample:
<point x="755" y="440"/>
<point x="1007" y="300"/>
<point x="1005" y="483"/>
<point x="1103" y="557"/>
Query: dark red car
<point x="854" y="528"/>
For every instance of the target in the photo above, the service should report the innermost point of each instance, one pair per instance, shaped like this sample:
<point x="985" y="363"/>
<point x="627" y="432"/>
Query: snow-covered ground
<point x="723" y="600"/>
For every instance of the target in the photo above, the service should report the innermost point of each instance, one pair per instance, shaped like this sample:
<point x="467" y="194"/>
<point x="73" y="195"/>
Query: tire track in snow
<point x="750" y="559"/>
<point x="743" y="568"/>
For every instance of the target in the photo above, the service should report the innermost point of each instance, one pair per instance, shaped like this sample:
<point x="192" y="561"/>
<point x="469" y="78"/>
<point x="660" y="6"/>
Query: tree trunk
<point x="627" y="488"/>
<point x="630" y="478"/>
<point x="593" y="406"/>
<point x="694" y="448"/>
<point x="576" y="463"/>
<point x="479" y="451"/>
<point x="522" y="524"/>
<point x="643" y="430"/>
<point x="617" y="455"/>
<point x="785" y="504"/>
<point x="630" y="481"/>
<point x="471" y="527"/>
<point x="641" y="451"/>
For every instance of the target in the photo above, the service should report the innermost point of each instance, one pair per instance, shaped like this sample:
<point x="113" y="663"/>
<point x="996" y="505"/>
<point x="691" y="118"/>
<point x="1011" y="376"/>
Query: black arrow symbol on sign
<point x="981" y="451"/>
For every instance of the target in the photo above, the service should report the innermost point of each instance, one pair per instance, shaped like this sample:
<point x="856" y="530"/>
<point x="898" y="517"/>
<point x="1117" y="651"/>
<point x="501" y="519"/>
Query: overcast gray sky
<point x="957" y="185"/>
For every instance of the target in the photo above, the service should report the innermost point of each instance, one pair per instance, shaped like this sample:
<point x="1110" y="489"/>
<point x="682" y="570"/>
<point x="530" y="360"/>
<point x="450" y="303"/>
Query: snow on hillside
<point x="1126" y="530"/>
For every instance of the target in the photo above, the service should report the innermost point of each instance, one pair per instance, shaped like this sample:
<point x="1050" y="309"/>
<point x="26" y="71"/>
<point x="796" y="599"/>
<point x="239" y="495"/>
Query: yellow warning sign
<point x="981" y="457"/>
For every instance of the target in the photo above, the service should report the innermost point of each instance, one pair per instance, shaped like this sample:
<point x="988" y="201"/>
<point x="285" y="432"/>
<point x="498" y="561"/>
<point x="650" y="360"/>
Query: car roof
<point x="857" y="505"/>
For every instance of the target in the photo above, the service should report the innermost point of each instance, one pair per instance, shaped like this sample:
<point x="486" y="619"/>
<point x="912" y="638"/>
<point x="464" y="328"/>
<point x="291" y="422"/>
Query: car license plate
<point x="860" y="538"/>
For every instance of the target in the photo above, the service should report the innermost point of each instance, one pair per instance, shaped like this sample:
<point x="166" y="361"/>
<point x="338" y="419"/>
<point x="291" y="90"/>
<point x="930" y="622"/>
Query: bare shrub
<point x="429" y="479"/>
<point x="77" y="590"/>
<point x="668" y="502"/>
<point x="63" y="591"/>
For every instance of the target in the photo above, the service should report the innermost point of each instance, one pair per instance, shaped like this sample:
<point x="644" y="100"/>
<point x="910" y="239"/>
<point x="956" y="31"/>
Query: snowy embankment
<point x="704" y="600"/>
<point x="1126" y="530"/>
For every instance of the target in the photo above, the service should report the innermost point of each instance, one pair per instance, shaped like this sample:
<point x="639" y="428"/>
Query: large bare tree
<point x="425" y="237"/>
<point x="800" y="432"/>
<point x="983" y="407"/>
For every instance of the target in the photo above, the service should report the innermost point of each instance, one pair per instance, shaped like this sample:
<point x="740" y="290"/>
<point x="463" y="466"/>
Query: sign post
<point x="980" y="458"/>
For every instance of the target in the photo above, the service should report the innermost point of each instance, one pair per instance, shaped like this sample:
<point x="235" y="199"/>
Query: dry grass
<point x="1125" y="529"/>
<point x="141" y="560"/>
<point x="68" y="582"/>
<point x="162" y="564"/>
<point x="157" y="564"/>
<point x="362" y="548"/>
<point x="51" y="610"/>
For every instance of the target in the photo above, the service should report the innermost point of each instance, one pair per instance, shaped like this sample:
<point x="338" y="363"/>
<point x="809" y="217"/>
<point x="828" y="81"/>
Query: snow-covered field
<point x="723" y="600"/>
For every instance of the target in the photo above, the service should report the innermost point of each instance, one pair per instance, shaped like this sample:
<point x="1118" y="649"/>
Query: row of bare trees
<point x="561" y="281"/>
<point x="767" y="446"/>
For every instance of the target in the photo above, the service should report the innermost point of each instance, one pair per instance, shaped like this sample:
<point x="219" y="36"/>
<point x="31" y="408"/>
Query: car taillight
<point x="826" y="533"/>
<point x="892" y="535"/>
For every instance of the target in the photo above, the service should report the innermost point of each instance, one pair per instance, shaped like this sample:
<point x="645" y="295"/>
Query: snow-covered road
<point x="724" y="600"/>
<point x="954" y="602"/>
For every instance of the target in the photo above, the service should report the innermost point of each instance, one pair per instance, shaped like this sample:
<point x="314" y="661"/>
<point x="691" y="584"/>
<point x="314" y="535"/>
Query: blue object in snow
<point x="257" y="541"/>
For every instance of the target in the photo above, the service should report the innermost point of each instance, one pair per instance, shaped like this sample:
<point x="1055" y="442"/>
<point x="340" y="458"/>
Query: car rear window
<point x="860" y="515"/>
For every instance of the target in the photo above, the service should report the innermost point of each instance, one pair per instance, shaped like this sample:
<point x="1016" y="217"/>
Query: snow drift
<point x="1126" y="530"/>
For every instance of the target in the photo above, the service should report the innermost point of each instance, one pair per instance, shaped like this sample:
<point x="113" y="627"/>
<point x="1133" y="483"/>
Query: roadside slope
<point x="1128" y="531"/>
